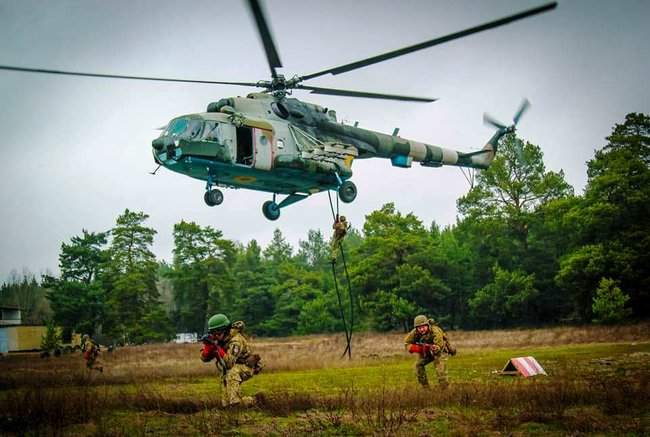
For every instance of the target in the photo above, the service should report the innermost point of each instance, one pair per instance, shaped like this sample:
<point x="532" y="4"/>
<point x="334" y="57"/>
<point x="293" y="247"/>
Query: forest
<point x="526" y="250"/>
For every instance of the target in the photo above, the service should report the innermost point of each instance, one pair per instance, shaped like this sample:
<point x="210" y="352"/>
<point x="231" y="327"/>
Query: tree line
<point x="526" y="250"/>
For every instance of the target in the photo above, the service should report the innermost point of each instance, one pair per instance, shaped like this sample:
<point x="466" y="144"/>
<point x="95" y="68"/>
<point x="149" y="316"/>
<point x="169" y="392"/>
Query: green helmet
<point x="420" y="320"/>
<point x="218" y="322"/>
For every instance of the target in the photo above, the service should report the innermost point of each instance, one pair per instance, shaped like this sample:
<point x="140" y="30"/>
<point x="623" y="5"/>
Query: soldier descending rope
<point x="341" y="227"/>
<point x="226" y="343"/>
<point x="429" y="341"/>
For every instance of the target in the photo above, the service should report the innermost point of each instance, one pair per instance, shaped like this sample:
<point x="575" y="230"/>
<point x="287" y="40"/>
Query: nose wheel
<point x="271" y="210"/>
<point x="213" y="197"/>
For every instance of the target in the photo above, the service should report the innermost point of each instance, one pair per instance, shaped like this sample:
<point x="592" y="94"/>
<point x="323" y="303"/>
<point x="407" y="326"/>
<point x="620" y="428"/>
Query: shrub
<point x="609" y="303"/>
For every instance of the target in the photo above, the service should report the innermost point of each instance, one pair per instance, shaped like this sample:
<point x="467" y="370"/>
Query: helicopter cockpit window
<point x="177" y="127"/>
<point x="185" y="129"/>
<point x="211" y="131"/>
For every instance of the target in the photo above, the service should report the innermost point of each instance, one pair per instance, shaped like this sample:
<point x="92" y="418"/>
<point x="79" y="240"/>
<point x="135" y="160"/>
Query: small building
<point x="15" y="337"/>
<point x="21" y="338"/>
<point x="9" y="315"/>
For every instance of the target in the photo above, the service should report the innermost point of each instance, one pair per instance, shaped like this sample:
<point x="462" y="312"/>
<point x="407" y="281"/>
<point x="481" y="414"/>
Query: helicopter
<point x="269" y="141"/>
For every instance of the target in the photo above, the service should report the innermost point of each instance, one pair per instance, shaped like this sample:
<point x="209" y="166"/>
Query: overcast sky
<point x="75" y="152"/>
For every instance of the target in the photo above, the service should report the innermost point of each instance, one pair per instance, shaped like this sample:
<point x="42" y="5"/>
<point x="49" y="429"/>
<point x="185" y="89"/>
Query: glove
<point x="208" y="352"/>
<point x="220" y="351"/>
<point x="253" y="361"/>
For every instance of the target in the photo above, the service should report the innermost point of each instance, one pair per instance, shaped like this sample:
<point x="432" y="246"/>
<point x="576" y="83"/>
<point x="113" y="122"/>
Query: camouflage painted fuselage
<point x="287" y="146"/>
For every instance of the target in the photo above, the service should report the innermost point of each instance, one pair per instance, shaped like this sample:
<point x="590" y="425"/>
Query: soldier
<point x="90" y="351"/>
<point x="227" y="344"/>
<point x="429" y="341"/>
<point x="340" y="227"/>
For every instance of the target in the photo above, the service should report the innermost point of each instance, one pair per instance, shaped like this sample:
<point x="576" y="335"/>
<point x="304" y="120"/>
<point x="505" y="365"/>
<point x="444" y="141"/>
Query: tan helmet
<point x="343" y="218"/>
<point x="420" y="320"/>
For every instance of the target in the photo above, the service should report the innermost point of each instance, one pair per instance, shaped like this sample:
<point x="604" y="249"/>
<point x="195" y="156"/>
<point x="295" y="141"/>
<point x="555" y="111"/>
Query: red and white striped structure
<point x="525" y="366"/>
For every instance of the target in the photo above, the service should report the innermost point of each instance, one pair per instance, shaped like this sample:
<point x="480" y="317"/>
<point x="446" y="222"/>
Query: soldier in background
<point x="90" y="351"/>
<point x="340" y="227"/>
<point x="227" y="343"/>
<point x="430" y="342"/>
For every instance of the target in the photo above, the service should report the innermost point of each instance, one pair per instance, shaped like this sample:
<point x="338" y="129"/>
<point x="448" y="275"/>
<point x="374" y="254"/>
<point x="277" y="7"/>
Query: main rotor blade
<point x="267" y="39"/>
<point x="350" y="93"/>
<point x="433" y="42"/>
<point x="117" y="76"/>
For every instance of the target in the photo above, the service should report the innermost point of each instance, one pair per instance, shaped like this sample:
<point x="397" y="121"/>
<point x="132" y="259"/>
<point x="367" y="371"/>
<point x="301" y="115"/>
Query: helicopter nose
<point x="161" y="143"/>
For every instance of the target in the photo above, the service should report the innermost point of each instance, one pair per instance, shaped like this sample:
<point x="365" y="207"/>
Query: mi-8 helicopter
<point x="271" y="142"/>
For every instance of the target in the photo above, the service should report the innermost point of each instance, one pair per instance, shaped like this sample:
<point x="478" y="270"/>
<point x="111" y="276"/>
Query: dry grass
<point x="296" y="353"/>
<point x="576" y="405"/>
<point x="165" y="389"/>
<point x="137" y="364"/>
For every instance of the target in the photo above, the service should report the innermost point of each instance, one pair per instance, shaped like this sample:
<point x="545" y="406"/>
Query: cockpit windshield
<point x="184" y="128"/>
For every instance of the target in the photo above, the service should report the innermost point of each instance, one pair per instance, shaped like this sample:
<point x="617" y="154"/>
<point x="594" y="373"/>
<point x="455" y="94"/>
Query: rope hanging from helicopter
<point x="348" y="329"/>
<point x="470" y="176"/>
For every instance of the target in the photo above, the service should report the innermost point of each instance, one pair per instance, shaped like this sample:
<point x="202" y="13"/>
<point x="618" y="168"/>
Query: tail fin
<point x="484" y="157"/>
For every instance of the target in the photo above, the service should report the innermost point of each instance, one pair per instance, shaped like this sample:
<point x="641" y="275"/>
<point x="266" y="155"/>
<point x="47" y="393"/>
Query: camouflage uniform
<point x="340" y="227"/>
<point x="436" y="336"/>
<point x="90" y="351"/>
<point x="238" y="365"/>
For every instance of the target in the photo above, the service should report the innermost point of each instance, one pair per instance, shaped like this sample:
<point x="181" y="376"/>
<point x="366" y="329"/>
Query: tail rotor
<point x="503" y="129"/>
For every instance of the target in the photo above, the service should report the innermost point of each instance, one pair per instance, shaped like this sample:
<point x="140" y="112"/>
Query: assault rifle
<point x="424" y="349"/>
<point x="207" y="339"/>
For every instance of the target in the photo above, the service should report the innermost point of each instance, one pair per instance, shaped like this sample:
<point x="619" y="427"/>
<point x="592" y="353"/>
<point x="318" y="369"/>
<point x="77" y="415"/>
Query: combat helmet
<point x="218" y="322"/>
<point x="420" y="320"/>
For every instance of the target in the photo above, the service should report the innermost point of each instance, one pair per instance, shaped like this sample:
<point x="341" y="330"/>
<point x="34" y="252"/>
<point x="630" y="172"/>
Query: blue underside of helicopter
<point x="277" y="180"/>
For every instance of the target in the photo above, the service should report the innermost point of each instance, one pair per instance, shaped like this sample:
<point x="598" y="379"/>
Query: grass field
<point x="598" y="383"/>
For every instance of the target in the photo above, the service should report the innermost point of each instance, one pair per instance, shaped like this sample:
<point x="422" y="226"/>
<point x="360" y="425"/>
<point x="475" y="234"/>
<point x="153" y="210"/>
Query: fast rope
<point x="348" y="331"/>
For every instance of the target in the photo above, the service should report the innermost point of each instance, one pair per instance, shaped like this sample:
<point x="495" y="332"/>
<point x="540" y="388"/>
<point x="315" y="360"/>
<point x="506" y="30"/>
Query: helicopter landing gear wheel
<point x="271" y="210"/>
<point x="348" y="191"/>
<point x="213" y="197"/>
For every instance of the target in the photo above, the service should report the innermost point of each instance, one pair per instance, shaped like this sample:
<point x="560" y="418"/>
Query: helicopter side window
<point x="244" y="145"/>
<point x="194" y="130"/>
<point x="211" y="131"/>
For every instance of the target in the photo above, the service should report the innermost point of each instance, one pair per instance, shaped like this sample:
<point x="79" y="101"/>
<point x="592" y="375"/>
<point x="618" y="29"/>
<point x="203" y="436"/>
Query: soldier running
<point x="341" y="227"/>
<point x="229" y="346"/>
<point x="90" y="351"/>
<point x="429" y="341"/>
